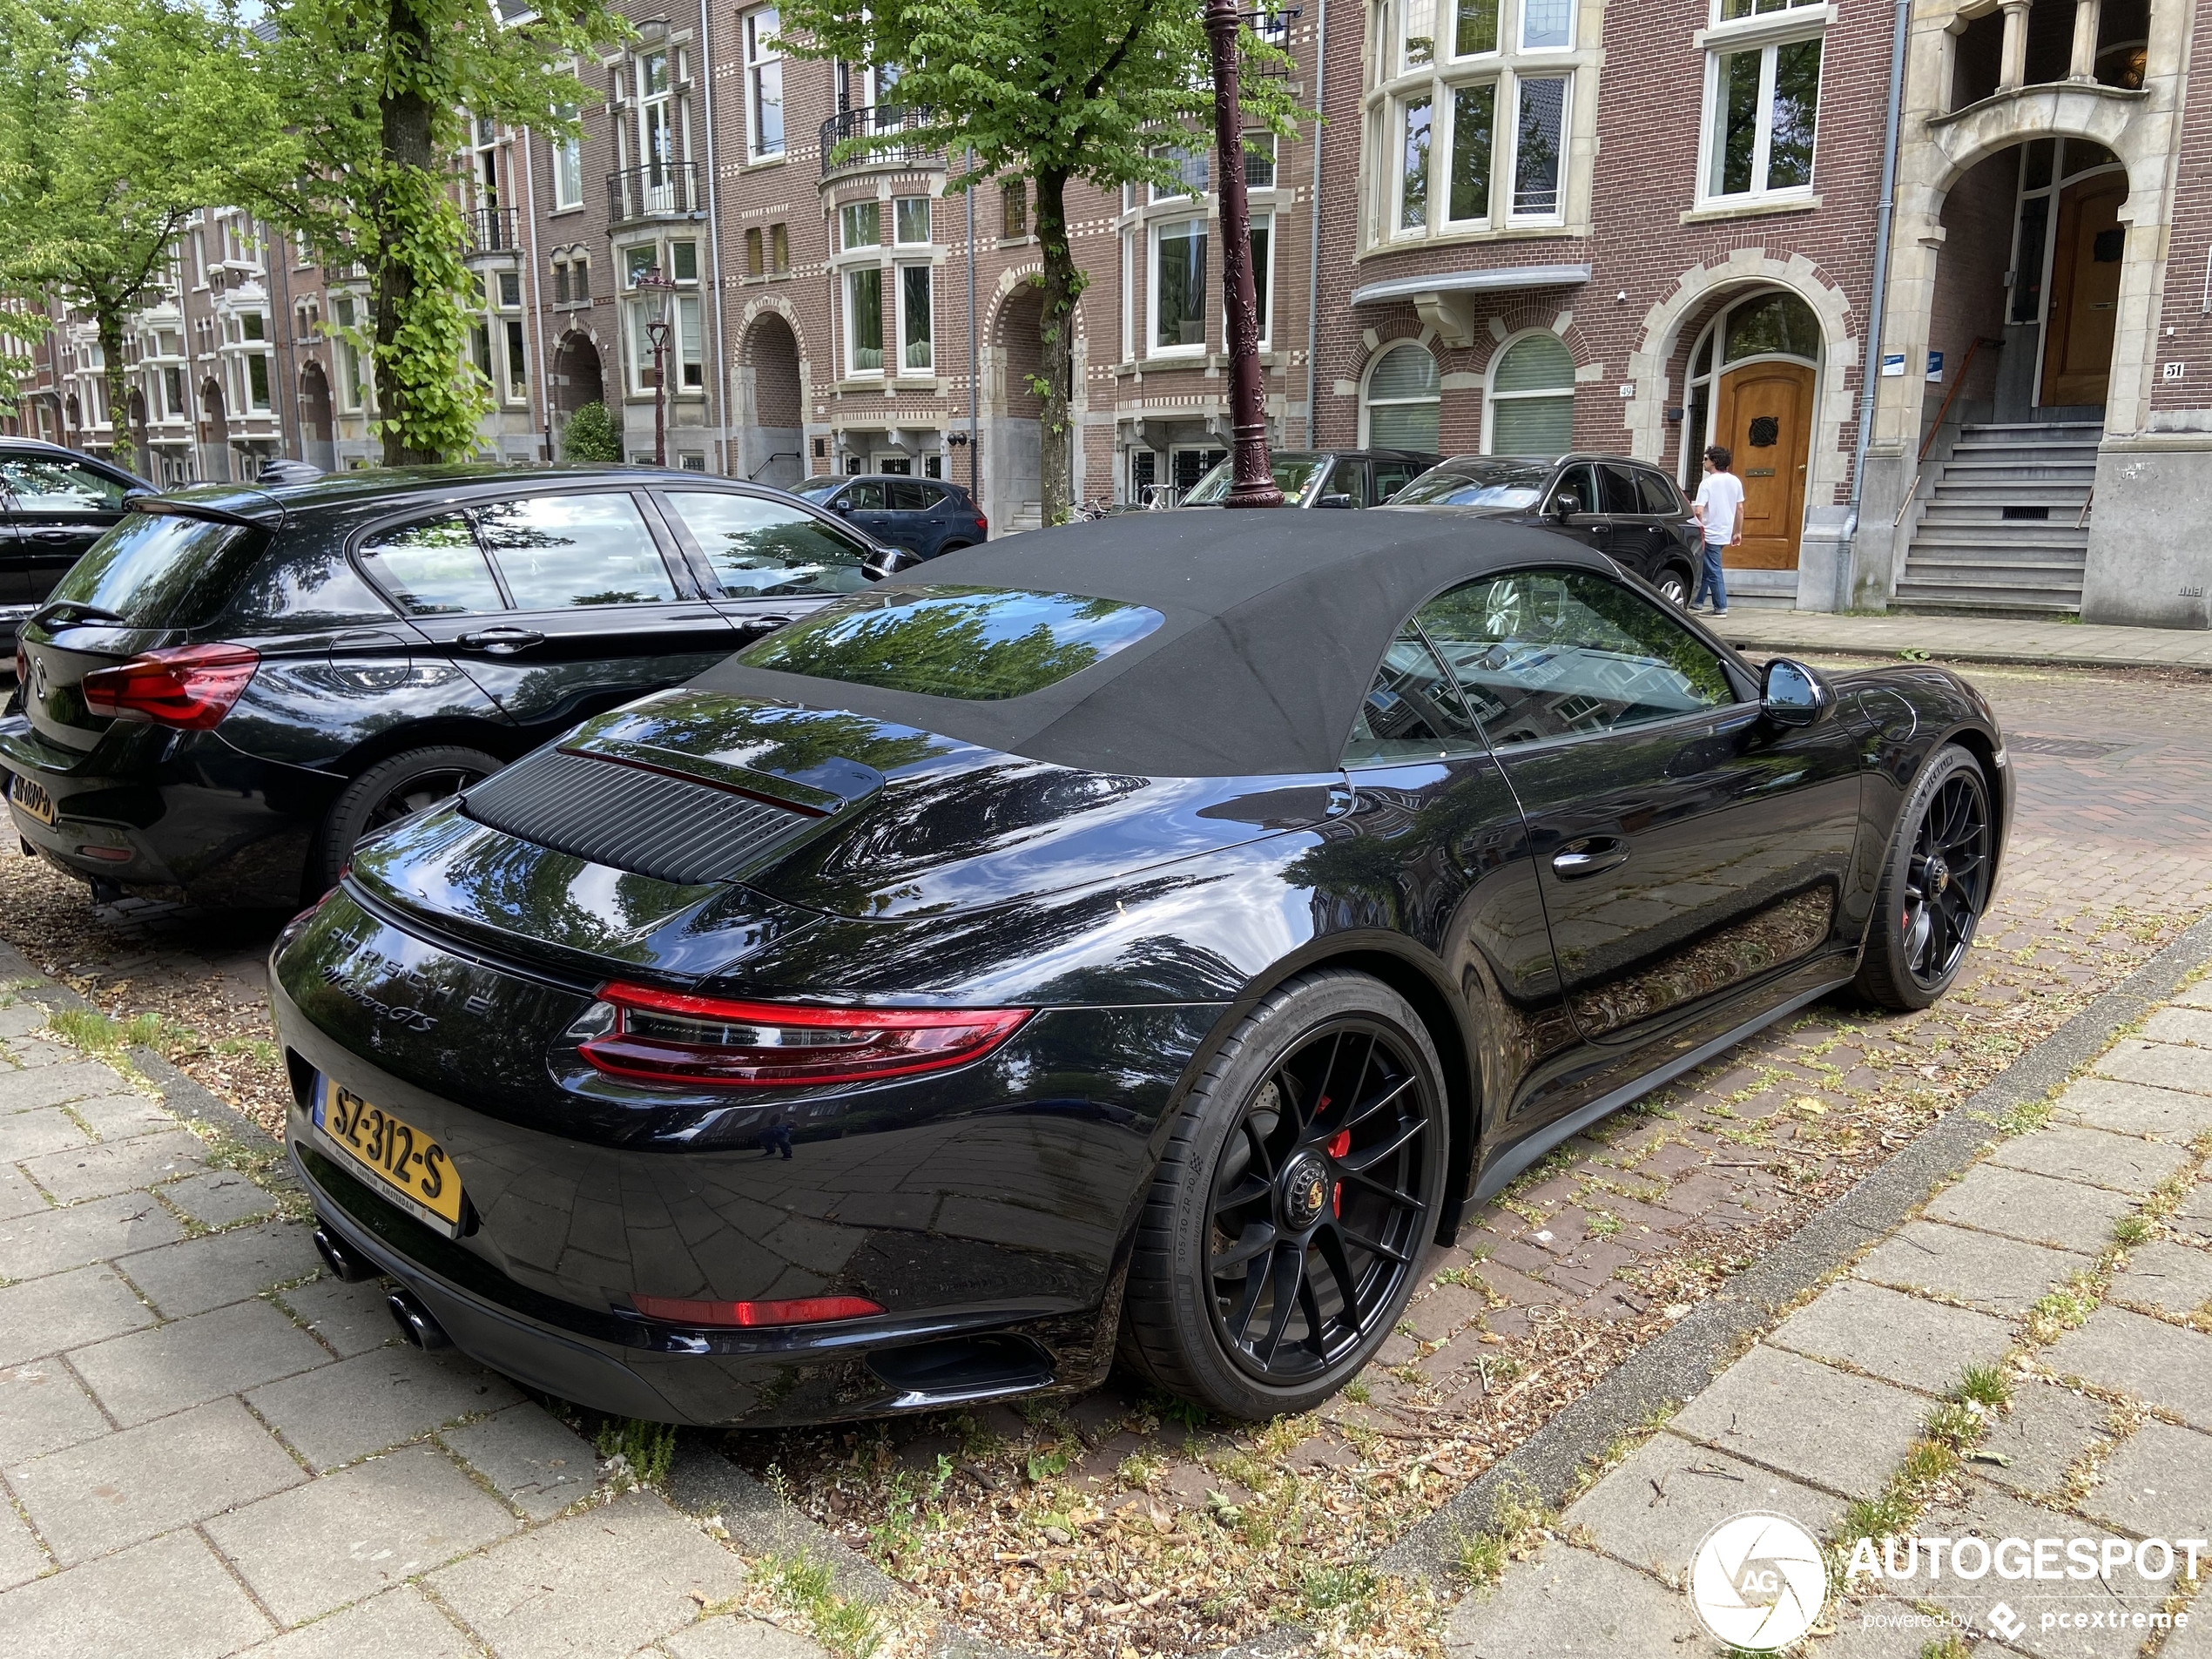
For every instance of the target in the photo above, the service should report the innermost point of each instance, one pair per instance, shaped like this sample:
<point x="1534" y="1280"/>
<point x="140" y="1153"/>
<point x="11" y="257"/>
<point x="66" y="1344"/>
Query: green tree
<point x="375" y="96"/>
<point x="591" y="434"/>
<point x="117" y="118"/>
<point x="1048" y="92"/>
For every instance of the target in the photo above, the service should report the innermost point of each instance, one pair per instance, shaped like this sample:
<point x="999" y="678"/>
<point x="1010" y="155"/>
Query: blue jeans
<point x="1709" y="584"/>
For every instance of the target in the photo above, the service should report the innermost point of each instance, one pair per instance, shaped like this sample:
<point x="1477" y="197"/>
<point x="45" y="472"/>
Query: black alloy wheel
<point x="1934" y="886"/>
<point x="1296" y="1196"/>
<point x="393" y="790"/>
<point x="1316" y="1206"/>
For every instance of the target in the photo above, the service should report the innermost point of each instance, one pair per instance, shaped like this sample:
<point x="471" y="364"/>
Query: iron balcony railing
<point x="658" y="190"/>
<point x="868" y="122"/>
<point x="493" y="230"/>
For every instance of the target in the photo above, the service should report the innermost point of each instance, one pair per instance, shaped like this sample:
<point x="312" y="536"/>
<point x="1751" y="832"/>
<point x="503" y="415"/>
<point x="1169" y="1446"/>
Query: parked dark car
<point x="238" y="681"/>
<point x="1628" y="509"/>
<point x="922" y="1004"/>
<point x="1322" y="477"/>
<point x="928" y="515"/>
<point x="54" y="504"/>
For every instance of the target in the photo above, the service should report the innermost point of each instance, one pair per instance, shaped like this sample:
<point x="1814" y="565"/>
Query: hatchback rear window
<point x="161" y="570"/>
<point x="979" y="644"/>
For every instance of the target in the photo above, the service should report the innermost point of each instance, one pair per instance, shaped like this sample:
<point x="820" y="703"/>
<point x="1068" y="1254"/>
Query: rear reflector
<point x="111" y="855"/>
<point x="805" y="1310"/>
<point x="190" y="687"/>
<point x="667" y="1036"/>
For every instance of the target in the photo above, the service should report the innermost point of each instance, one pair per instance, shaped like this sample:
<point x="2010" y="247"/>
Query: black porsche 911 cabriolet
<point x="1144" y="937"/>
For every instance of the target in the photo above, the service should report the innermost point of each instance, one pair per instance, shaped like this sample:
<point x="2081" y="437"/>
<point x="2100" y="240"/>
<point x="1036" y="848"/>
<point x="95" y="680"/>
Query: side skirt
<point x="1527" y="1150"/>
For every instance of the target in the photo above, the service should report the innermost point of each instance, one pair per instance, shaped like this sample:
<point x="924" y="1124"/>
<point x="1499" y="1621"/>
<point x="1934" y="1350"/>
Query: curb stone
<point x="702" y="1482"/>
<point x="1678" y="1365"/>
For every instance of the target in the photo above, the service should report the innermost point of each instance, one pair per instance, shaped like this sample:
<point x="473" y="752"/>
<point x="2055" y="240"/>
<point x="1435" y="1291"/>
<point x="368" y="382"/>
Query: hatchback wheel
<point x="1285" y="1226"/>
<point x="395" y="788"/>
<point x="1933" y="886"/>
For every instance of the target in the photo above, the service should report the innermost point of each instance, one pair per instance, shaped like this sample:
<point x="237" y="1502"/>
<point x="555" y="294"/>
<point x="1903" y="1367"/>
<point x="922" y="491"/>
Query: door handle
<point x="503" y="642"/>
<point x="53" y="536"/>
<point x="1590" y="856"/>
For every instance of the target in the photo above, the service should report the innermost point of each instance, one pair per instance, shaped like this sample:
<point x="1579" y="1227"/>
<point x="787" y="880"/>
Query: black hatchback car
<point x="1627" y="509"/>
<point x="1322" y="477"/>
<point x="238" y="682"/>
<point x="54" y="504"/>
<point x="929" y="515"/>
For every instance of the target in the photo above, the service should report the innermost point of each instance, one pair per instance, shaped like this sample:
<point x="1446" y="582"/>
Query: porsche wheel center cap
<point x="1938" y="876"/>
<point x="1304" y="1192"/>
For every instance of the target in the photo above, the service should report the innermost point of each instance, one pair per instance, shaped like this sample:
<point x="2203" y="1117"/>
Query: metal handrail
<point x="1927" y="443"/>
<point x="848" y="125"/>
<point x="658" y="190"/>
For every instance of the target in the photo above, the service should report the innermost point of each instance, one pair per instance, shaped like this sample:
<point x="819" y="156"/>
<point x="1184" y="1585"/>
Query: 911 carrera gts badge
<point x="400" y="1014"/>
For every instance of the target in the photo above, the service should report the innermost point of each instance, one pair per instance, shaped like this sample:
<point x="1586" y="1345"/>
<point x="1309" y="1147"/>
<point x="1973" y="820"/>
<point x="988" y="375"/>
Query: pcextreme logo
<point x="1757" y="1581"/>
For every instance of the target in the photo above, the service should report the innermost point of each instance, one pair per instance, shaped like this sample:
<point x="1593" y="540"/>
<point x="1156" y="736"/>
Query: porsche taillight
<point x="652" y="1036"/>
<point x="190" y="687"/>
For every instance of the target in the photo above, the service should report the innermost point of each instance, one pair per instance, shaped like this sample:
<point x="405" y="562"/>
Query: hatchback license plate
<point x="33" y="799"/>
<point x="407" y="1164"/>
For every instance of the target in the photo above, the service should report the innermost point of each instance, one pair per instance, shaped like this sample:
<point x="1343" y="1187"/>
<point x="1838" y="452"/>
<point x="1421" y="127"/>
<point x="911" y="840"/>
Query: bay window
<point x="861" y="225"/>
<point x="915" y="318"/>
<point x="864" y="319"/>
<point x="1178" y="306"/>
<point x="1539" y="145"/>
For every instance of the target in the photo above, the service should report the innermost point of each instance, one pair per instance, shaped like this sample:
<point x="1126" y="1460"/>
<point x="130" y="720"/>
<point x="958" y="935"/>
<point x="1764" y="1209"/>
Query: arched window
<point x="1531" y="405"/>
<point x="1405" y="401"/>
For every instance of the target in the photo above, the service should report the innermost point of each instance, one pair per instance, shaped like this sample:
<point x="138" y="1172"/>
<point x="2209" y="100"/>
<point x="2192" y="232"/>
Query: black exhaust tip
<point x="417" y="1324"/>
<point x="342" y="1262"/>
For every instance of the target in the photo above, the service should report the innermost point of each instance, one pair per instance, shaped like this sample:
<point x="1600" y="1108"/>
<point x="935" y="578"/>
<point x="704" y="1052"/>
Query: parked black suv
<point x="1322" y="477"/>
<point x="927" y="515"/>
<point x="53" y="503"/>
<point x="237" y="683"/>
<point x="1622" y="507"/>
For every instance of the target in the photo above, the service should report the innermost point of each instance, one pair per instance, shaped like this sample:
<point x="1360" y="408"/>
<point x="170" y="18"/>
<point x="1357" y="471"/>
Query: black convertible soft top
<point x="1275" y="624"/>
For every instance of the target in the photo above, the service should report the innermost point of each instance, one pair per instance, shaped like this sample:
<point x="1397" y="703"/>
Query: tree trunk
<point x="108" y="319"/>
<point x="1062" y="285"/>
<point x="406" y="143"/>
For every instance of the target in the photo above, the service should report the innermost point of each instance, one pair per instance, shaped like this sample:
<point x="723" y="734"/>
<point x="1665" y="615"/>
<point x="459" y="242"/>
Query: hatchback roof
<point x="1272" y="623"/>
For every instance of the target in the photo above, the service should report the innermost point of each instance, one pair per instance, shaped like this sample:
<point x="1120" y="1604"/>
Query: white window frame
<point x="898" y="283"/>
<point x="1512" y="147"/>
<point x="1491" y="395"/>
<point x="885" y="317"/>
<point x="568" y="174"/>
<point x="1765" y="34"/>
<point x="1444" y="156"/>
<point x="759" y="59"/>
<point x="1401" y="110"/>
<point x="1152" y="233"/>
<point x="1522" y="48"/>
<point x="1366" y="379"/>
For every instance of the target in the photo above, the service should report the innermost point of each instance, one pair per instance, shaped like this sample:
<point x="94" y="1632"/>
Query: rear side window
<point x="1412" y="712"/>
<point x="979" y="644"/>
<point x="1658" y="494"/>
<point x="907" y="497"/>
<point x="763" y="548"/>
<point x="42" y="485"/>
<point x="560" y="551"/>
<point x="433" y="568"/>
<point x="1390" y="477"/>
<point x="162" y="570"/>
<point x="1620" y="487"/>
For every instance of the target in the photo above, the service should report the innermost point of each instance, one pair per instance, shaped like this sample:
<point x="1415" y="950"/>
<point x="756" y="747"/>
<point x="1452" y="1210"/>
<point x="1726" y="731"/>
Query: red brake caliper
<point x="1338" y="1146"/>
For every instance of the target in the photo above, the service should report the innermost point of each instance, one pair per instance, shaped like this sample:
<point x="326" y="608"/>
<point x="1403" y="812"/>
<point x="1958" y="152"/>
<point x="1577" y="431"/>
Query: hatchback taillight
<point x="981" y="523"/>
<point x="669" y="1036"/>
<point x="190" y="687"/>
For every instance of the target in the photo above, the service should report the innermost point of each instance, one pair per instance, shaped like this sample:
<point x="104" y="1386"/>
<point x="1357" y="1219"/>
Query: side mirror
<point x="1565" y="506"/>
<point x="887" y="562"/>
<point x="1336" y="501"/>
<point x="841" y="505"/>
<point x="1793" y="694"/>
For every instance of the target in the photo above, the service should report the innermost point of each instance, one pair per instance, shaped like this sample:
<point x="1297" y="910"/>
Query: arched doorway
<point x="577" y="377"/>
<point x="214" y="434"/>
<point x="773" y="439"/>
<point x="1014" y="446"/>
<point x="318" y="435"/>
<point x="135" y="413"/>
<point x="1754" y="385"/>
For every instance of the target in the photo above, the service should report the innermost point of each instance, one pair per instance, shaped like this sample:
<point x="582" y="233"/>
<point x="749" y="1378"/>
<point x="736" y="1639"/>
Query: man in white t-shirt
<point x="1720" y="516"/>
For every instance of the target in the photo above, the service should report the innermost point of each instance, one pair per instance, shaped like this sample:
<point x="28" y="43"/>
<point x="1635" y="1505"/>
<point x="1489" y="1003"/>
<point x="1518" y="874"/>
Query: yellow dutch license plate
<point x="405" y="1162"/>
<point x="33" y="799"/>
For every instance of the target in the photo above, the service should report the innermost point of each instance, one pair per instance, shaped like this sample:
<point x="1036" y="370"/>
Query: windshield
<point x="1292" y="475"/>
<point x="979" y="644"/>
<point x="161" y="569"/>
<point x="819" y="487"/>
<point x="1471" y="482"/>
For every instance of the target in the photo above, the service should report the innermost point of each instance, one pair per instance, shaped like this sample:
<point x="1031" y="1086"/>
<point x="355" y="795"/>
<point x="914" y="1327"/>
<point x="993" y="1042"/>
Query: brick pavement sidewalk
<point x="209" y="1446"/>
<point x="1968" y="639"/>
<point x="2069" y="1271"/>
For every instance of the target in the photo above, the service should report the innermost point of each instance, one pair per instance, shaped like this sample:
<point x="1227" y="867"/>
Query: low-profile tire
<point x="1933" y="886"/>
<point x="1287" y="1221"/>
<point x="1673" y="585"/>
<point x="395" y="787"/>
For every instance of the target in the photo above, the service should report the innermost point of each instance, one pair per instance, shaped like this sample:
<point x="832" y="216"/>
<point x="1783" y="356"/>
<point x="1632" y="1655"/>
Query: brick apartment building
<point x="1541" y="224"/>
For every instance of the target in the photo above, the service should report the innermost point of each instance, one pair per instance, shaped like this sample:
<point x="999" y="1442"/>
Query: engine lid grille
<point x="623" y="815"/>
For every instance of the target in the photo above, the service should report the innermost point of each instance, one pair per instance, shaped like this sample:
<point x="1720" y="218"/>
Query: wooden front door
<point x="2084" y="292"/>
<point x="1765" y="416"/>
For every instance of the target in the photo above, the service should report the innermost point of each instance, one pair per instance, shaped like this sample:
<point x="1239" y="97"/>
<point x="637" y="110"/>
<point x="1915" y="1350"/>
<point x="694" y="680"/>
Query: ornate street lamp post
<point x="1254" y="484"/>
<point x="657" y="332"/>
